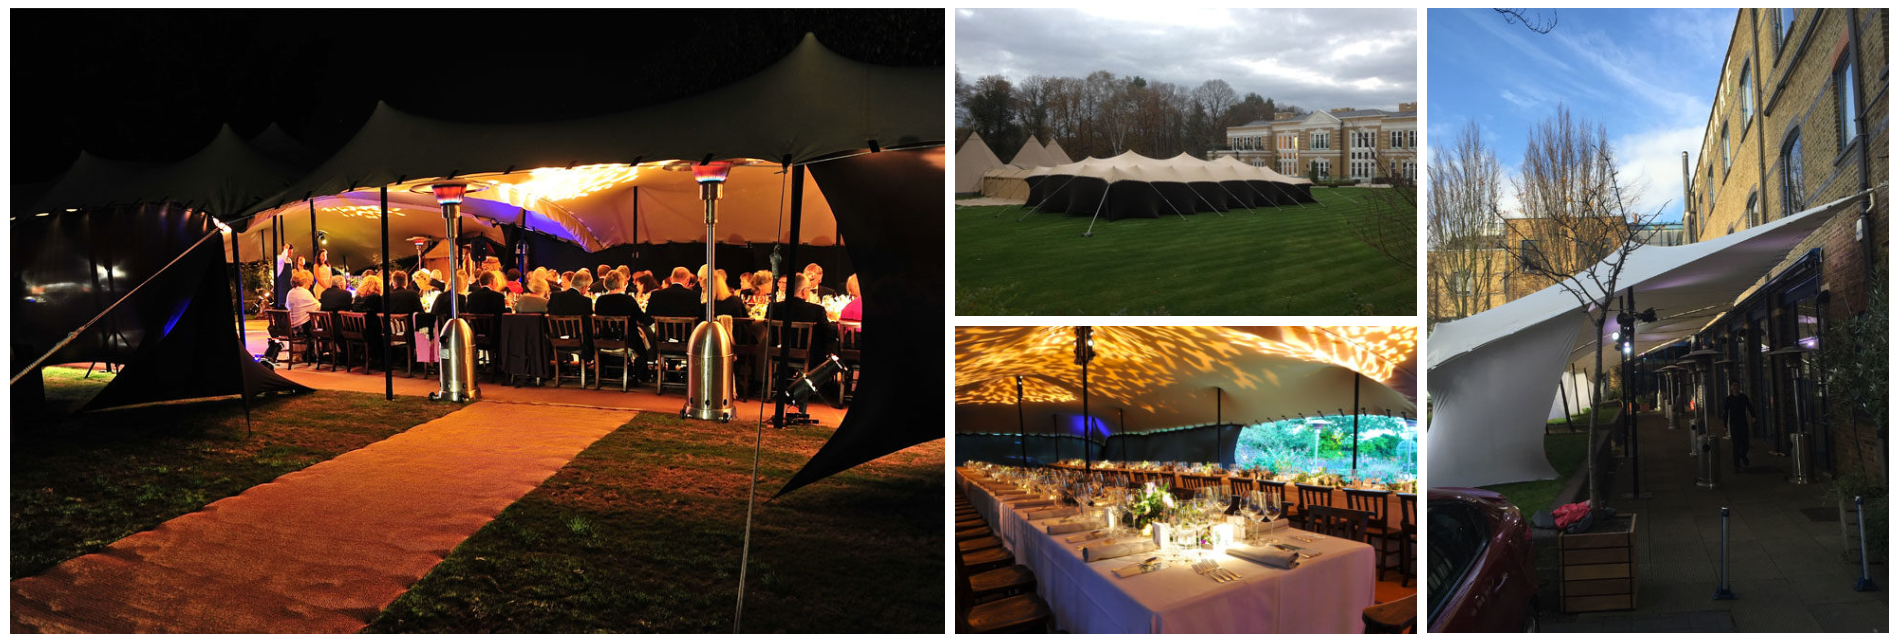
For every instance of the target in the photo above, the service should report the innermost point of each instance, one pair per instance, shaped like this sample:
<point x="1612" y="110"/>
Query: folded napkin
<point x="1064" y="529"/>
<point x="1132" y="570"/>
<point x="1082" y="537"/>
<point x="1267" y="555"/>
<point x="1098" y="553"/>
<point x="1053" y="513"/>
<point x="1031" y="503"/>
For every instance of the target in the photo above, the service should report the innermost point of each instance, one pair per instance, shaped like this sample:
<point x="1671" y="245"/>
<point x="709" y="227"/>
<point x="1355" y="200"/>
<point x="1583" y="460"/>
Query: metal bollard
<point x="1865" y="582"/>
<point x="1722" y="592"/>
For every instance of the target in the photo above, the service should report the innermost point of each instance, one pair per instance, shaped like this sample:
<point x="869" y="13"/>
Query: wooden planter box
<point x="1598" y="568"/>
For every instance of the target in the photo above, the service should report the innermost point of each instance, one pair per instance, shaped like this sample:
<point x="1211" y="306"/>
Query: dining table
<point x="1325" y="593"/>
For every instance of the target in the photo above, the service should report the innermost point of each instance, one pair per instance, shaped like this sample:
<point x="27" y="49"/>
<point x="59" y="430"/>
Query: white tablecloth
<point x="1325" y="594"/>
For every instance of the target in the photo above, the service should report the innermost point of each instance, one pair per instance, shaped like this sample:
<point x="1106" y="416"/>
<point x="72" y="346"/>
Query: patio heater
<point x="1799" y="442"/>
<point x="1709" y="471"/>
<point x="457" y="339"/>
<point x="709" y="369"/>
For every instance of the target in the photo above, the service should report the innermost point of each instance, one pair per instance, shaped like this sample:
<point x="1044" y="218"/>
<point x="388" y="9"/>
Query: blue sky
<point x="1648" y="76"/>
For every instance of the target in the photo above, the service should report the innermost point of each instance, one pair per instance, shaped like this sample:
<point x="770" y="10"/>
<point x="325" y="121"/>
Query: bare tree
<point x="1578" y="228"/>
<point x="1465" y="219"/>
<point x="1390" y="222"/>
<point x="1537" y="23"/>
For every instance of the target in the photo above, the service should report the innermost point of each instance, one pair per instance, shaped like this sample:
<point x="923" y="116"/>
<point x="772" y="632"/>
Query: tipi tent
<point x="1055" y="154"/>
<point x="1031" y="155"/>
<point x="972" y="160"/>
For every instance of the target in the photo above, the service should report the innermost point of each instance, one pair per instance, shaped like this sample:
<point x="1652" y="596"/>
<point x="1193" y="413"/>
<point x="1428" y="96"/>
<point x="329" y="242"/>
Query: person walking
<point x="1737" y="409"/>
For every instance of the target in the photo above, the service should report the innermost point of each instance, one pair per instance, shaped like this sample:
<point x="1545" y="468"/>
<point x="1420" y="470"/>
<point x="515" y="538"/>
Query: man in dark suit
<point x="814" y="275"/>
<point x="573" y="301"/>
<point x="337" y="298"/>
<point x="488" y="298"/>
<point x="402" y="298"/>
<point x="676" y="300"/>
<point x="798" y="310"/>
<point x="617" y="303"/>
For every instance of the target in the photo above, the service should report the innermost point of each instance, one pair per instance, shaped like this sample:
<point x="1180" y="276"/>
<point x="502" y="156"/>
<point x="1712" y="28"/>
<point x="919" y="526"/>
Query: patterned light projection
<point x="359" y="211"/>
<point x="568" y="183"/>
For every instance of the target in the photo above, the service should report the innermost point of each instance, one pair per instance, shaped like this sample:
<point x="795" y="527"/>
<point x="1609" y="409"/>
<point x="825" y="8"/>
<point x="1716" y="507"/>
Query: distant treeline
<point x="1103" y="114"/>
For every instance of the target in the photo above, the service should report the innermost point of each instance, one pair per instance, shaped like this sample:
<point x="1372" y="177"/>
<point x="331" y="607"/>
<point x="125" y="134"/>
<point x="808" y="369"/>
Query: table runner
<point x="1324" y="595"/>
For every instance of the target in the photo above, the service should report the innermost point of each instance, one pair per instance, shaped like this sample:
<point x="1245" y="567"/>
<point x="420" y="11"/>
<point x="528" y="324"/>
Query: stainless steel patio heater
<point x="710" y="356"/>
<point x="457" y="340"/>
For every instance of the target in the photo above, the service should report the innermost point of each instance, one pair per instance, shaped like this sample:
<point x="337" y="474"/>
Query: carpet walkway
<point x="321" y="550"/>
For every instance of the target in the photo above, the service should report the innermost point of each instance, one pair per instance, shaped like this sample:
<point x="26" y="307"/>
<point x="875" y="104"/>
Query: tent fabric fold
<point x="1494" y="373"/>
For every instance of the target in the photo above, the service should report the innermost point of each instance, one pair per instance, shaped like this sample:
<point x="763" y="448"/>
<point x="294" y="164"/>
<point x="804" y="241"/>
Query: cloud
<point x="1317" y="59"/>
<point x="1651" y="160"/>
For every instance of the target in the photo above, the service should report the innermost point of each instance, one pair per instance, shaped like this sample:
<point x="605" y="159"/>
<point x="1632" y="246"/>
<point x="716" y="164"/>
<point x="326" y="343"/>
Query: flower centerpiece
<point x="834" y="305"/>
<point x="1150" y="504"/>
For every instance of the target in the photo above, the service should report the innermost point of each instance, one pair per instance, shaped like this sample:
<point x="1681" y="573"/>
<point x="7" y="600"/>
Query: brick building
<point x="1342" y="143"/>
<point x="1799" y="119"/>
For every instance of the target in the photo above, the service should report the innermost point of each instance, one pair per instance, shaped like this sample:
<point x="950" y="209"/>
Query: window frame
<point x="1793" y="173"/>
<point x="1845" y="101"/>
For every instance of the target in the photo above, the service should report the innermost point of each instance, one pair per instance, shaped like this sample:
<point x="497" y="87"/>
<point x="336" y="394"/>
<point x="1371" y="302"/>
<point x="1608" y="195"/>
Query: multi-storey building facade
<point x="1344" y="143"/>
<point x="1799" y="119"/>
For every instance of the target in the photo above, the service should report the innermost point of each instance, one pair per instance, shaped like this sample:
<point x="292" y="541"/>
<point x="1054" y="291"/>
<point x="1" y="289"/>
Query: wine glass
<point x="1272" y="513"/>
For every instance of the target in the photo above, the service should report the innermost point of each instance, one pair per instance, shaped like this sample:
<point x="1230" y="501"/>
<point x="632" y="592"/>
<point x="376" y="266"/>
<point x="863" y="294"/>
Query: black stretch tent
<point x="174" y="335"/>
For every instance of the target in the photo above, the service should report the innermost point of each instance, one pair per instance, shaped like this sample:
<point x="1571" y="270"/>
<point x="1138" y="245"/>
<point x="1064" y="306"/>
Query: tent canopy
<point x="1165" y="377"/>
<point x="1134" y="186"/>
<point x="1031" y="155"/>
<point x="1055" y="154"/>
<point x="972" y="159"/>
<point x="1493" y="374"/>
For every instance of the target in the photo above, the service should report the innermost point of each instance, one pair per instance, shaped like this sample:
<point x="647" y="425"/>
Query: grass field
<point x="1286" y="260"/>
<point x="1566" y="452"/>
<point x="642" y="533"/>
<point x="81" y="482"/>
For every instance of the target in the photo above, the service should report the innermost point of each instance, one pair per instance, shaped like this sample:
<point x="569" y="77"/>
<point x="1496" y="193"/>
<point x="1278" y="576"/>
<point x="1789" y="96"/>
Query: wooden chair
<point x="323" y="339"/>
<point x="987" y="559"/>
<point x="569" y="336"/>
<point x="980" y="543"/>
<point x="353" y="329"/>
<point x="850" y="352"/>
<point x="483" y="327"/>
<point x="1002" y="582"/>
<point x="1310" y="496"/>
<point x="1243" y="486"/>
<point x="1016" y="614"/>
<point x="1396" y="616"/>
<point x="1375" y="503"/>
<point x="976" y="532"/>
<point x="612" y="338"/>
<point x="400" y="328"/>
<point x="281" y="331"/>
<point x="797" y="339"/>
<point x="1408" y="541"/>
<point x="671" y="338"/>
<point x="1337" y="522"/>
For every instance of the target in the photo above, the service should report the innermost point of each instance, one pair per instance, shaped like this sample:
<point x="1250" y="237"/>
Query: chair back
<point x="399" y="327"/>
<point x="671" y="334"/>
<point x="1197" y="482"/>
<point x="610" y="333"/>
<point x="1310" y="495"/>
<point x="1370" y="501"/>
<point x="1396" y="616"/>
<point x="850" y="345"/>
<point x="352" y="325"/>
<point x="566" y="331"/>
<point x="322" y="326"/>
<point x="279" y="321"/>
<point x="482" y="326"/>
<point x="1338" y="522"/>
<point x="797" y="337"/>
<point x="1408" y="504"/>
<point x="1243" y="485"/>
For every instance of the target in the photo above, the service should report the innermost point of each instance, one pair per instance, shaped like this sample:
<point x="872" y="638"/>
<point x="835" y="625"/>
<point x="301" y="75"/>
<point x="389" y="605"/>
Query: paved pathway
<point x="1785" y="566"/>
<point x="324" y="549"/>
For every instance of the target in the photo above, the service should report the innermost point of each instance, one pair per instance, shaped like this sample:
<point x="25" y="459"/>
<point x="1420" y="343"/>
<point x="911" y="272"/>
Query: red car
<point x="1478" y="562"/>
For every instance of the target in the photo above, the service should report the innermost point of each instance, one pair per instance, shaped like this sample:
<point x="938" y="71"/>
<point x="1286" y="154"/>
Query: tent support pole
<point x="1355" y="412"/>
<point x="636" y="226"/>
<point x="1281" y="190"/>
<point x="1091" y="222"/>
<point x="71" y="336"/>
<point x="237" y="275"/>
<point x="791" y="258"/>
<point x="388" y="360"/>
<point x="1123" y="412"/>
<point x="313" y="235"/>
<point x="1170" y="204"/>
<point x="1021" y="425"/>
<point x="1087" y="423"/>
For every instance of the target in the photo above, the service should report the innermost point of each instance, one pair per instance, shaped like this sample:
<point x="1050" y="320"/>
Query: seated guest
<point x="536" y="298"/>
<point x="853" y="311"/>
<point x="566" y="280"/>
<point x="439" y="310"/>
<point x="758" y="287"/>
<point x="724" y="302"/>
<point x="675" y="300"/>
<point x="573" y="301"/>
<point x="617" y="303"/>
<point x="487" y="298"/>
<point x="368" y="296"/>
<point x="403" y="300"/>
<point x="336" y="298"/>
<point x="301" y="303"/>
<point x="514" y="282"/>
<point x="795" y="308"/>
<point x="814" y="274"/>
<point x="600" y="279"/>
<point x="425" y="287"/>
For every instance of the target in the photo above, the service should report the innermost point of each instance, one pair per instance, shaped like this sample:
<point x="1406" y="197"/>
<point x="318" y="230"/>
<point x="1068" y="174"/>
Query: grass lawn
<point x="642" y="533"/>
<point x="81" y="482"/>
<point x="1566" y="452"/>
<point x="1605" y="415"/>
<point x="1267" y="261"/>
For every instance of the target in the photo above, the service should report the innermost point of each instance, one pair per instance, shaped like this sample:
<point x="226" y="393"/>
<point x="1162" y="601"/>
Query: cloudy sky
<point x="1648" y="76"/>
<point x="1313" y="58"/>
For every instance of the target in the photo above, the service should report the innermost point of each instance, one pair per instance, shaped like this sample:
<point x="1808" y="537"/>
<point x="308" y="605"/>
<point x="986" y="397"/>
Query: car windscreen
<point x="1457" y="537"/>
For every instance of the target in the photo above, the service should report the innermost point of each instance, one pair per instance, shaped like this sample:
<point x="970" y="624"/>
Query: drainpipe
<point x="1859" y="118"/>
<point x="1759" y="117"/>
<point x="1687" y="201"/>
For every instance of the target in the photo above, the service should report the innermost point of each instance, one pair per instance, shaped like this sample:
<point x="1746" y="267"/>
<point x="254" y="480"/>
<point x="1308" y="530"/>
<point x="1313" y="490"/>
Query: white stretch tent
<point x="972" y="159"/>
<point x="1493" y="373"/>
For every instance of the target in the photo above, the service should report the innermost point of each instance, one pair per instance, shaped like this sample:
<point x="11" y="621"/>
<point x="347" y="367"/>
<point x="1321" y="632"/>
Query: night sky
<point x="155" y="85"/>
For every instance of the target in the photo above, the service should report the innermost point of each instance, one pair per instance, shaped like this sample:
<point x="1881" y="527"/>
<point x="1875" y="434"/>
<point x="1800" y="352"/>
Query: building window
<point x="1411" y="170"/>
<point x="1285" y="166"/>
<point x="1747" y="95"/>
<point x="1753" y="210"/>
<point x="1461" y="283"/>
<point x="1397" y="139"/>
<point x="1529" y="256"/>
<point x="1793" y="176"/>
<point x="1845" y="104"/>
<point x="1727" y="157"/>
<point x="1320" y="169"/>
<point x="1321" y="140"/>
<point x="1784" y="30"/>
<point x="1411" y="139"/>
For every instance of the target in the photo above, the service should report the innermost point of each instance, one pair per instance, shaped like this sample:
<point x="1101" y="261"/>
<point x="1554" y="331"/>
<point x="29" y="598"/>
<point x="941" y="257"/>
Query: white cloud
<point x="1653" y="159"/>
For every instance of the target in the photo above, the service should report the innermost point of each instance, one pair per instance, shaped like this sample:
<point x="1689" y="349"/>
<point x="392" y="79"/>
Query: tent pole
<point x="1123" y="432"/>
<point x="313" y="235"/>
<point x="237" y="275"/>
<point x="1055" y="434"/>
<point x="1091" y="222"/>
<point x="70" y="336"/>
<point x="636" y="229"/>
<point x="1355" y="412"/>
<point x="791" y="258"/>
<point x="388" y="363"/>
<point x="1170" y="204"/>
<point x="1021" y="427"/>
<point x="1030" y="210"/>
<point x="1087" y="423"/>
